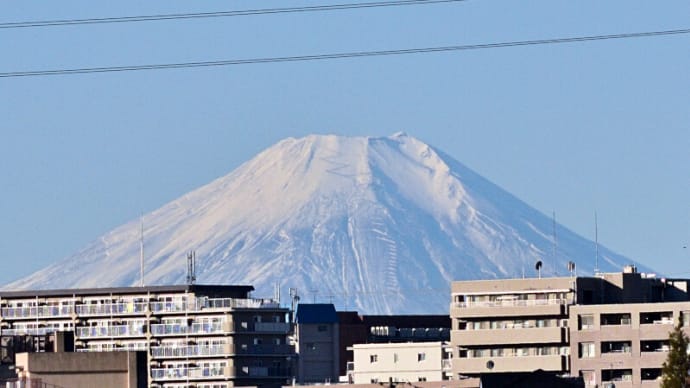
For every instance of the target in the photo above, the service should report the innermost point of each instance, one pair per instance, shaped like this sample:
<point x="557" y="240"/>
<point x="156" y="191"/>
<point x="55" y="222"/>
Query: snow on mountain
<point x="381" y="225"/>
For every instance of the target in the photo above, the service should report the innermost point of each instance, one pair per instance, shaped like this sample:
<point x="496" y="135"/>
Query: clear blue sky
<point x="573" y="128"/>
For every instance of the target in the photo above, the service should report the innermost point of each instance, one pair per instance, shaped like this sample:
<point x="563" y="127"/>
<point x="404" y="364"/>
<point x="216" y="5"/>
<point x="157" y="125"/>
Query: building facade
<point x="609" y="328"/>
<point x="317" y="343"/>
<point x="199" y="336"/>
<point x="398" y="362"/>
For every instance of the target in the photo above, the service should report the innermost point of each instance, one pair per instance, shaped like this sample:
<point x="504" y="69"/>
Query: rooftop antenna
<point x="191" y="268"/>
<point x="596" y="242"/>
<point x="537" y="266"/>
<point x="555" y="244"/>
<point x="571" y="267"/>
<point x="141" y="251"/>
<point x="294" y="300"/>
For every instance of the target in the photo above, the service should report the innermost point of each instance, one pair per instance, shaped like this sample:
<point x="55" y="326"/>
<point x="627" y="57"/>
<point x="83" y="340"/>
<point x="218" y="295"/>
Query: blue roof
<point x="316" y="313"/>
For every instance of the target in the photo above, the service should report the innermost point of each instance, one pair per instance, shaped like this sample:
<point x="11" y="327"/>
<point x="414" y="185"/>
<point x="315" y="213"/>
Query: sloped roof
<point x="316" y="313"/>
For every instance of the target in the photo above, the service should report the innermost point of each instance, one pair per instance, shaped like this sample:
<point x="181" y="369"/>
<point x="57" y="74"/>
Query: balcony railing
<point x="277" y="327"/>
<point x="109" y="331"/>
<point x="510" y="303"/>
<point x="172" y="329"/>
<point x="191" y="351"/>
<point x="133" y="308"/>
<point x="183" y="373"/>
<point x="263" y="371"/>
<point x="36" y="311"/>
<point x="446" y="364"/>
<point x="34" y="331"/>
<point x="265" y="349"/>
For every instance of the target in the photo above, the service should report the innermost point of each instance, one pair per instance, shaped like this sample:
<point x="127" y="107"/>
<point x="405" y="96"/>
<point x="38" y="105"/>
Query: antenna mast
<point x="596" y="242"/>
<point x="191" y="268"/>
<point x="555" y="244"/>
<point x="141" y="251"/>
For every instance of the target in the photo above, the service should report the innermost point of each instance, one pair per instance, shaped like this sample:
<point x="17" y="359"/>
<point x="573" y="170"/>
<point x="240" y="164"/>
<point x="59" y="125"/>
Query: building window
<point x="322" y="328"/>
<point x="395" y="357"/>
<point x="685" y="316"/>
<point x="373" y="358"/>
<point x="311" y="346"/>
<point x="587" y="350"/>
<point x="616" y="347"/>
<point x="586" y="321"/>
<point x="421" y="357"/>
<point x="650" y="373"/>
<point x="421" y="378"/>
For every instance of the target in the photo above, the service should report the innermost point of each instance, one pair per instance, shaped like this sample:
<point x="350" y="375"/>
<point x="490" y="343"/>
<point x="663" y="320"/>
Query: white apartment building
<point x="200" y="336"/>
<point x="399" y="362"/>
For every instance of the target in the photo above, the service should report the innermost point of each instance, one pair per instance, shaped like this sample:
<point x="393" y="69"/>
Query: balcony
<point x="446" y="365"/>
<point x="191" y="373"/>
<point x="119" y="309"/>
<point x="264" y="371"/>
<point x="267" y="349"/>
<point x="34" y="331"/>
<point x="174" y="329"/>
<point x="270" y="327"/>
<point x="37" y="312"/>
<point x="506" y="308"/>
<point x="109" y="331"/>
<point x="191" y="351"/>
<point x="215" y="304"/>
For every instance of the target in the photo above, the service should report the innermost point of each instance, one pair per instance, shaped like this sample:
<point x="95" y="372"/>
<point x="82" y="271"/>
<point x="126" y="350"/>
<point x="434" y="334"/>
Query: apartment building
<point x="512" y="325"/>
<point x="609" y="328"/>
<point x="409" y="362"/>
<point x="201" y="336"/>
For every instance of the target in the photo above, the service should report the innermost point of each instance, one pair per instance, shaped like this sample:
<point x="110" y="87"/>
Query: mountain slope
<point x="376" y="224"/>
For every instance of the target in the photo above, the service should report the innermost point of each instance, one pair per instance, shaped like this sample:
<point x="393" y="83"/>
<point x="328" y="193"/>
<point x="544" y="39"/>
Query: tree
<point x="674" y="372"/>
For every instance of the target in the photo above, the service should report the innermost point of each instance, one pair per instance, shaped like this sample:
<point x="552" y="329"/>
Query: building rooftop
<point x="238" y="291"/>
<point x="316" y="313"/>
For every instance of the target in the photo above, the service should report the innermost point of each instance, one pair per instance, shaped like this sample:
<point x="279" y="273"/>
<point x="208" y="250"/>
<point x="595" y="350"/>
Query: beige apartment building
<point x="609" y="328"/>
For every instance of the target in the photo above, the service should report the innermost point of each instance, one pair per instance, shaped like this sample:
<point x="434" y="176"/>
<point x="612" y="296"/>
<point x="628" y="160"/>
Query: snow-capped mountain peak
<point x="378" y="224"/>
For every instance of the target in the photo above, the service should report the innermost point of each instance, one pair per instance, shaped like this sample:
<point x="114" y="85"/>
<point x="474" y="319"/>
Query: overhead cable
<point x="246" y="12"/>
<point x="317" y="57"/>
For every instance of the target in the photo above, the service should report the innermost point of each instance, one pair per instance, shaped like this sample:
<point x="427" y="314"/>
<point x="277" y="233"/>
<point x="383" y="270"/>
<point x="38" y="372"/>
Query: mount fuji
<point x="381" y="225"/>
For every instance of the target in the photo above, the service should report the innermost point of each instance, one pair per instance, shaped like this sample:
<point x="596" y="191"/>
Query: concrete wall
<point x="76" y="370"/>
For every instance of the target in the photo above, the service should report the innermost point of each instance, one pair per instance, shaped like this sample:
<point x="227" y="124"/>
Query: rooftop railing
<point x="136" y="308"/>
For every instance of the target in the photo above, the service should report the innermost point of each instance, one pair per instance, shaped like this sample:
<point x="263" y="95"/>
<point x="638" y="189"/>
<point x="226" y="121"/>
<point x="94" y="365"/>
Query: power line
<point x="303" y="58"/>
<point x="247" y="12"/>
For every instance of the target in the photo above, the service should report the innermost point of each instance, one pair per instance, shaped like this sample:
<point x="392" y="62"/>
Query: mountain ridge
<point x="380" y="224"/>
